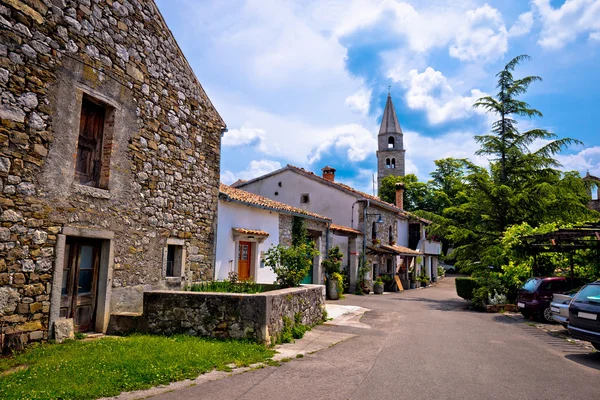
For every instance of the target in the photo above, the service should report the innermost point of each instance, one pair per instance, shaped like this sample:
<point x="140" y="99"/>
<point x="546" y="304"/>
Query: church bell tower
<point x="390" y="153"/>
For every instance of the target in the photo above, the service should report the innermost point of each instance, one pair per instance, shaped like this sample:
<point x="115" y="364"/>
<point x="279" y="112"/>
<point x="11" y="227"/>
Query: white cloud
<point x="482" y="37"/>
<point x="594" y="36"/>
<point x="522" y="26"/>
<point x="422" y="151"/>
<point x="243" y="136"/>
<point x="562" y="25"/>
<point x="360" y="101"/>
<point x="358" y="142"/>
<point x="585" y="160"/>
<point x="430" y="91"/>
<point x="477" y="34"/>
<point x="255" y="169"/>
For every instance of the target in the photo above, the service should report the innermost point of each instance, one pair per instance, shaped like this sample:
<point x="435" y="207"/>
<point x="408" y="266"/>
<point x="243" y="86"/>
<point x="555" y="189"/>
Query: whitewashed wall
<point x="324" y="200"/>
<point x="233" y="215"/>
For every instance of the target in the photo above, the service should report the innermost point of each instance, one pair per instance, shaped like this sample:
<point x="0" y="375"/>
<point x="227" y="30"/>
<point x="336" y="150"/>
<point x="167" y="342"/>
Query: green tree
<point x="519" y="186"/>
<point x="417" y="195"/>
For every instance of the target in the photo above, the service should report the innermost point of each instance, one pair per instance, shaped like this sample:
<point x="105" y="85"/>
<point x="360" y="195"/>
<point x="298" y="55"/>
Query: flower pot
<point x="332" y="290"/>
<point x="413" y="285"/>
<point x="378" y="288"/>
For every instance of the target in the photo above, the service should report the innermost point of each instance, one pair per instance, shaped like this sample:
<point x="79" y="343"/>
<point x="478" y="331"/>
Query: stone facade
<point x="317" y="230"/>
<point x="160" y="154"/>
<point x="378" y="262"/>
<point x="227" y="316"/>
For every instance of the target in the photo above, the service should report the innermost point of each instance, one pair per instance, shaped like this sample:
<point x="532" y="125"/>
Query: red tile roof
<point x="402" y="250"/>
<point x="252" y="199"/>
<point x="255" y="232"/>
<point x="345" y="229"/>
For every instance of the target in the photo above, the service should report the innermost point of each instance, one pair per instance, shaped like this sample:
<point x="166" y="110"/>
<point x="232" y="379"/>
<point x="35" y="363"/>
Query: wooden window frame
<point x="96" y="176"/>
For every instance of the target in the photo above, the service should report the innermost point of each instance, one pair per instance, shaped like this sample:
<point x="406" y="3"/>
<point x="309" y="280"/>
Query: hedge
<point x="465" y="287"/>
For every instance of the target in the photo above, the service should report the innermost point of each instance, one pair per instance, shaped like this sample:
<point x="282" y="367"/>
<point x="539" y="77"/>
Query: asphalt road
<point x="423" y="344"/>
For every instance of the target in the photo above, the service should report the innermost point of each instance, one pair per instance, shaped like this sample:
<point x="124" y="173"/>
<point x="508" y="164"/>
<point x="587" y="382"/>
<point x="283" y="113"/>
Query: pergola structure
<point x="565" y="240"/>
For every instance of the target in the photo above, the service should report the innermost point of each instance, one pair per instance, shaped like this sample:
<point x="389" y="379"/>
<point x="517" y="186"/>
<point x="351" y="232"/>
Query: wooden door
<point x="244" y="258"/>
<point x="89" y="147"/>
<point x="80" y="282"/>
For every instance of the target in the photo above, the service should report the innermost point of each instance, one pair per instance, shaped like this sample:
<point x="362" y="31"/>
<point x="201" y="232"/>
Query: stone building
<point x="593" y="191"/>
<point x="109" y="163"/>
<point x="389" y="236"/>
<point x="390" y="144"/>
<point x="250" y="224"/>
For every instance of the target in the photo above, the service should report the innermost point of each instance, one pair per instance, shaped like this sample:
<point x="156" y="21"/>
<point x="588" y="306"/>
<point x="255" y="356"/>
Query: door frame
<point x="253" y="255"/>
<point x="105" y="271"/>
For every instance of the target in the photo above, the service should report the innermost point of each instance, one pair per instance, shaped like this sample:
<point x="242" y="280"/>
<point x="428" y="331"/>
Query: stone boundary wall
<point x="224" y="315"/>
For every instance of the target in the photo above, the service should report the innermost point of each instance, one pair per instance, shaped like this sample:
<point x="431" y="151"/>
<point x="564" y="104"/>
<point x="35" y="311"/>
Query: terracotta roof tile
<point x="345" y="229"/>
<point x="245" y="231"/>
<point x="402" y="250"/>
<point x="256" y="200"/>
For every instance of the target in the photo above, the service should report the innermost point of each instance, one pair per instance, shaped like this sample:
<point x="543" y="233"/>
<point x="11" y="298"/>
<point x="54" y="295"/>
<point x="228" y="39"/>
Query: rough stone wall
<point x="285" y="229"/>
<point x="389" y="219"/>
<point x="164" y="153"/>
<point x="229" y="316"/>
<point x="382" y="171"/>
<point x="594" y="205"/>
<point x="307" y="301"/>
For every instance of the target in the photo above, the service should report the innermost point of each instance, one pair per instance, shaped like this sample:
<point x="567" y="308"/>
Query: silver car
<point x="560" y="306"/>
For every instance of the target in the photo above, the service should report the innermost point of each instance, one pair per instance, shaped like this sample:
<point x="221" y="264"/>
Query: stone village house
<point x="249" y="224"/>
<point x="392" y="239"/>
<point x="109" y="163"/>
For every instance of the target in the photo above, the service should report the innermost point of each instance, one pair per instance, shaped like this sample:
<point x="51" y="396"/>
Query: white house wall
<point x="402" y="232"/>
<point x="324" y="199"/>
<point x="234" y="215"/>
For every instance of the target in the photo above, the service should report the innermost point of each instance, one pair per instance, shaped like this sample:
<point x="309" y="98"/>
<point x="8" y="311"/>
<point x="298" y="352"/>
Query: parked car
<point x="534" y="297"/>
<point x="447" y="267"/>
<point x="584" y="315"/>
<point x="560" y="306"/>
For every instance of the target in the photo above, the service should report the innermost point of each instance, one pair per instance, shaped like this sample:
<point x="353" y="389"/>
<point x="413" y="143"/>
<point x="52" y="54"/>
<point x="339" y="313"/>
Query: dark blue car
<point x="584" y="315"/>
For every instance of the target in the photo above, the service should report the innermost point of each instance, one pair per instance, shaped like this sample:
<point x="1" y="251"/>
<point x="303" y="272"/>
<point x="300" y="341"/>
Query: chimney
<point x="328" y="174"/>
<point x="400" y="195"/>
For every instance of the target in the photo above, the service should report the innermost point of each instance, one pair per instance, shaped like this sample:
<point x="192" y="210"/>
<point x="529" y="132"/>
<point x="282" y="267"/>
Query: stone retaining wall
<point x="224" y="315"/>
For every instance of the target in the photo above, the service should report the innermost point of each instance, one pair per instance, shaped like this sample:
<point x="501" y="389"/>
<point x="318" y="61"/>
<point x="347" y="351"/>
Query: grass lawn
<point x="109" y="366"/>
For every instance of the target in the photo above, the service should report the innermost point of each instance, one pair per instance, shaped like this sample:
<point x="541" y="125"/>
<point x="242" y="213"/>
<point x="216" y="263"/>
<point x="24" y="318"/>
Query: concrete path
<point x="420" y="344"/>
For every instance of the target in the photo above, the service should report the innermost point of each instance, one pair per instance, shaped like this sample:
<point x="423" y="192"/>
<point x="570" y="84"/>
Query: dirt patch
<point x="12" y="370"/>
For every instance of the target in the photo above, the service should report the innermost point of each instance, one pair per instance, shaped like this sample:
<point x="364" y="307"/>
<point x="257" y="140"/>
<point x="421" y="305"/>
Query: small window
<point x="92" y="163"/>
<point x="279" y="184"/>
<point x="391" y="235"/>
<point x="174" y="260"/>
<point x="393" y="166"/>
<point x="305" y="198"/>
<point x="391" y="142"/>
<point x="387" y="163"/>
<point x="374" y="230"/>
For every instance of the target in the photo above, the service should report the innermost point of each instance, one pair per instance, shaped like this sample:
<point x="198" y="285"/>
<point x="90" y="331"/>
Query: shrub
<point x="290" y="264"/>
<point x="332" y="264"/>
<point x="465" y="287"/>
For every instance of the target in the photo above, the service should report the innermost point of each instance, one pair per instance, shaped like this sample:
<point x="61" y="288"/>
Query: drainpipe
<point x="365" y="232"/>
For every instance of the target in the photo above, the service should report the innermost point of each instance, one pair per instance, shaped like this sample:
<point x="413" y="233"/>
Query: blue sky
<point x="304" y="82"/>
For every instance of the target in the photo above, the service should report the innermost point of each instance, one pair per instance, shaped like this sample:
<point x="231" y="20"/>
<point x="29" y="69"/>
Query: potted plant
<point x="378" y="286"/>
<point x="388" y="282"/>
<point x="335" y="286"/>
<point x="424" y="279"/>
<point x="376" y="242"/>
<point x="335" y="281"/>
